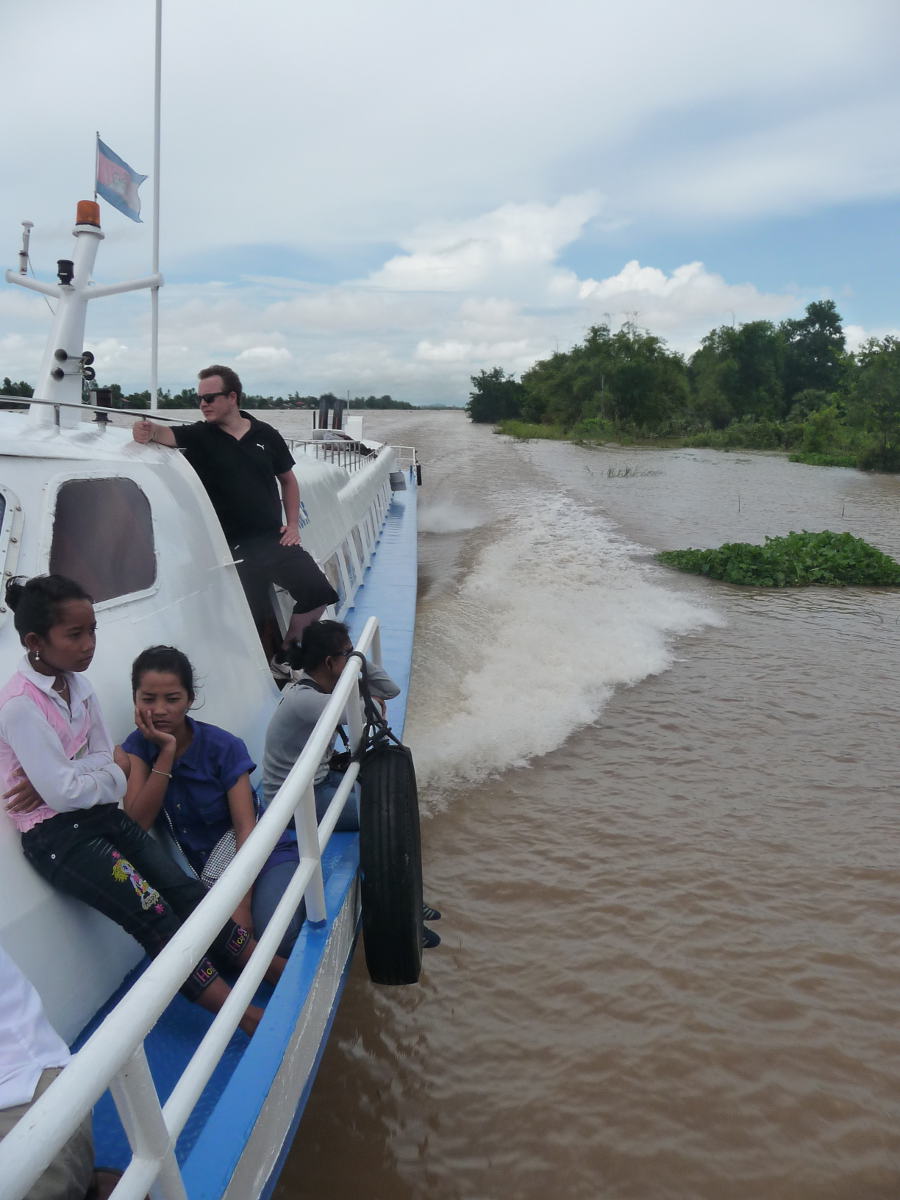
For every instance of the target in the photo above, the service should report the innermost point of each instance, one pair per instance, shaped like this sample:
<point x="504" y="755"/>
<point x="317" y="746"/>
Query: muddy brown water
<point x="659" y="815"/>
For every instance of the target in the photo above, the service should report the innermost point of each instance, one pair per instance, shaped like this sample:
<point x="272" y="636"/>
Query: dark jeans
<point x="262" y="561"/>
<point x="324" y="792"/>
<point x="100" y="856"/>
<point x="267" y="891"/>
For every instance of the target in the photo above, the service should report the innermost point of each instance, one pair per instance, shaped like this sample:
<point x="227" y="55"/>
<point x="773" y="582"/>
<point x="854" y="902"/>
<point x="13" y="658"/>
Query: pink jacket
<point x="100" y="780"/>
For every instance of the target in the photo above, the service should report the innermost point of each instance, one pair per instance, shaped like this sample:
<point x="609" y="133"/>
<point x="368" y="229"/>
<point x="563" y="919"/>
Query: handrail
<point x="113" y="1055"/>
<point x="407" y="456"/>
<point x="141" y="413"/>
<point x="341" y="450"/>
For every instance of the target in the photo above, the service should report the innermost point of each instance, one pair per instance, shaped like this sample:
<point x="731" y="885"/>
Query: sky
<point x="390" y="197"/>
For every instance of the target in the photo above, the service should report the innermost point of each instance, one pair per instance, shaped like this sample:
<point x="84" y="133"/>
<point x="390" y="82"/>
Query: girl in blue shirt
<point x="198" y="773"/>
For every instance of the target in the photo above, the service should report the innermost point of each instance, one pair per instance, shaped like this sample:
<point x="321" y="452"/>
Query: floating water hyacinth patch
<point x="823" y="559"/>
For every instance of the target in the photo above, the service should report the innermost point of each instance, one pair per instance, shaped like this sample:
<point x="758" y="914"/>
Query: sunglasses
<point x="343" y="653"/>
<point x="209" y="397"/>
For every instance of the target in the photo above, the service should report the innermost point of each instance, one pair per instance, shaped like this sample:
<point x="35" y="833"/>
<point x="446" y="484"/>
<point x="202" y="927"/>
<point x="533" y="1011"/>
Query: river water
<point x="659" y="818"/>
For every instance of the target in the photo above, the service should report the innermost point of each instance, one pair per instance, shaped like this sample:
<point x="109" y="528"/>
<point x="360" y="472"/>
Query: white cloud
<point x="856" y="335"/>
<point x="267" y="357"/>
<point x="469" y="254"/>
<point x="476" y="156"/>
<point x="423" y="343"/>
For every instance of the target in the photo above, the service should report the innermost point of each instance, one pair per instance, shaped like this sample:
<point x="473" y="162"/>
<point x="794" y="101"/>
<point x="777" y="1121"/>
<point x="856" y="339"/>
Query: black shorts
<point x="262" y="561"/>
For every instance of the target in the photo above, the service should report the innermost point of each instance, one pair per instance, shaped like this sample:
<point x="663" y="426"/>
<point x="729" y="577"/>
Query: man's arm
<point x="149" y="431"/>
<point x="290" y="498"/>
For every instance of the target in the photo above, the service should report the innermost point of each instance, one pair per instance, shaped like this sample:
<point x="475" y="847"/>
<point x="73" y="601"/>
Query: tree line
<point x="760" y="385"/>
<point x="187" y="398"/>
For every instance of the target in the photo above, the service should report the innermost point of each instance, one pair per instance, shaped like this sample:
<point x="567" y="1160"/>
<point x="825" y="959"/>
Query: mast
<point x="64" y="358"/>
<point x="154" y="294"/>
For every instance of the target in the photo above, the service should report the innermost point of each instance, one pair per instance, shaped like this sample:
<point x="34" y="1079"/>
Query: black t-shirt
<point x="239" y="473"/>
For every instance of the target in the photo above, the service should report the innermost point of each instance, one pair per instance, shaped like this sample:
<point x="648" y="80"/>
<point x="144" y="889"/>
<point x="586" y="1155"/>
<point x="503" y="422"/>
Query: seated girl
<point x="196" y="777"/>
<point x="63" y="783"/>
<point x="321" y="655"/>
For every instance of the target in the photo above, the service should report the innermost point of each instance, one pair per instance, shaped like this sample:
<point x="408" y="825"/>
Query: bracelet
<point x="167" y="774"/>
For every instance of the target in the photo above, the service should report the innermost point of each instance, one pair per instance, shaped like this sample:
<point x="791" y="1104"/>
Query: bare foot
<point x="103" y="1181"/>
<point x="276" y="966"/>
<point x="251" y="1019"/>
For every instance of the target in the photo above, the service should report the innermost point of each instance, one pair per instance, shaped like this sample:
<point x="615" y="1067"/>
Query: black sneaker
<point x="430" y="939"/>
<point x="429" y="913"/>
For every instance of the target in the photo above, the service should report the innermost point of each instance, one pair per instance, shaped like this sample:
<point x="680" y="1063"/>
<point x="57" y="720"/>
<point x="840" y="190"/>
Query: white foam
<point x="446" y="516"/>
<point x="554" y="615"/>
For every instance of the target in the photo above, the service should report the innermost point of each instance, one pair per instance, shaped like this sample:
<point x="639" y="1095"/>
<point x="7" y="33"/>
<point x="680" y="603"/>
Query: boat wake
<point x="554" y="611"/>
<point x="446" y="516"/>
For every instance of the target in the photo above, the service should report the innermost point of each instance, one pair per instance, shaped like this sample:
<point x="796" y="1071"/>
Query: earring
<point x="37" y="655"/>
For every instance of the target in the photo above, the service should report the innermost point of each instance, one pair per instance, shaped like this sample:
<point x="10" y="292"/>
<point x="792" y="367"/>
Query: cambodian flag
<point x="117" y="183"/>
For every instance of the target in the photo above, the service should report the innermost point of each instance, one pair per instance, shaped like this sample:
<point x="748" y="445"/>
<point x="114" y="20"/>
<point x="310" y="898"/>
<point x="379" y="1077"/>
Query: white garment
<point x="63" y="784"/>
<point x="28" y="1042"/>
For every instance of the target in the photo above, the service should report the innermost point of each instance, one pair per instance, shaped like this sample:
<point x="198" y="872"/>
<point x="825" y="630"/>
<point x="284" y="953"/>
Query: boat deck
<point x="208" y="1151"/>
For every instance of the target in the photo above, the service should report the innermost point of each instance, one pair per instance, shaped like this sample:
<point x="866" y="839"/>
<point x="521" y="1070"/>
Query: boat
<point x="185" y="1104"/>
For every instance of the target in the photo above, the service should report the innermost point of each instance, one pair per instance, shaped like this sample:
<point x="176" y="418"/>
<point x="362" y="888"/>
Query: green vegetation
<point x="8" y="388"/>
<point x="523" y="430"/>
<point x="799" y="560"/>
<point x="791" y="387"/>
<point x="187" y="398"/>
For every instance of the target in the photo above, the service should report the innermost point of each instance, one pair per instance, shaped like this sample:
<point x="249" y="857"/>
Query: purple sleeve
<point x="138" y="745"/>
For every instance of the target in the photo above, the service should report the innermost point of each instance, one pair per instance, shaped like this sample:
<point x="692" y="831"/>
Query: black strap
<point x="313" y="686"/>
<point x="376" y="731"/>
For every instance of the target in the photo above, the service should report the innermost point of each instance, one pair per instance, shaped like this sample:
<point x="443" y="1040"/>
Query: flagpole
<point x="154" y="292"/>
<point x="96" y="161"/>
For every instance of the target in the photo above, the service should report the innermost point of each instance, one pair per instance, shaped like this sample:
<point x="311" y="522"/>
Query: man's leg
<point x="264" y="561"/>
<point x="297" y="572"/>
<point x="299" y="622"/>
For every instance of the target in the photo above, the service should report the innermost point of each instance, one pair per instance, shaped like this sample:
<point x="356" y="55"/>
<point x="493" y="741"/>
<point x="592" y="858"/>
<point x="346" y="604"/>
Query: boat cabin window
<point x="103" y="537"/>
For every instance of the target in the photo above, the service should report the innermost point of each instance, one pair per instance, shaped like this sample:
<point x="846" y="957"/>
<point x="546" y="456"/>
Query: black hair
<point x="320" y="640"/>
<point x="36" y="602"/>
<point x="163" y="658"/>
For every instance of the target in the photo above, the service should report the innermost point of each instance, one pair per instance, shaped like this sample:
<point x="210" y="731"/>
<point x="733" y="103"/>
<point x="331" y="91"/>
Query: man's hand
<point x="290" y="535"/>
<point x="149" y="431"/>
<point x="21" y="797"/>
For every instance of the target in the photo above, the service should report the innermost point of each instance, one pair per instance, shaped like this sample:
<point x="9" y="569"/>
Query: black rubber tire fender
<point x="390" y="865"/>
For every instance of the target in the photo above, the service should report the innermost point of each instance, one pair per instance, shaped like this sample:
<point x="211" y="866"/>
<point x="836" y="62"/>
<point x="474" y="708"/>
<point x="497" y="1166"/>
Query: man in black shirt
<point x="245" y="466"/>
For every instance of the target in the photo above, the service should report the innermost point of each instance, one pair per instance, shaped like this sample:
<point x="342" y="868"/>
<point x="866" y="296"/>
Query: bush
<point x="879" y="458"/>
<point x="523" y="430"/>
<point x="594" y="429"/>
<point x="825" y="460"/>
<point x="803" y="559"/>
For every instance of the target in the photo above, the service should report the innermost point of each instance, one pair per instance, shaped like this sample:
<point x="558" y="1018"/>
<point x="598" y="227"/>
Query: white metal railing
<point x="344" y="453"/>
<point x="114" y="1057"/>
<point x="349" y="454"/>
<point x="141" y="414"/>
<point x="406" y="456"/>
